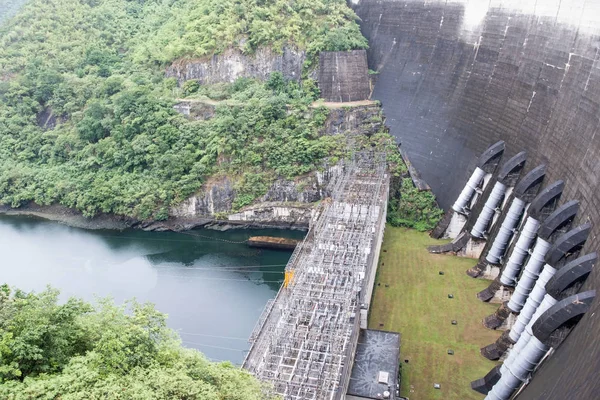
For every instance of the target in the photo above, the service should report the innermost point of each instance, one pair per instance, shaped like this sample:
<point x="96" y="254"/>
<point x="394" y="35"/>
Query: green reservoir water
<point x="212" y="290"/>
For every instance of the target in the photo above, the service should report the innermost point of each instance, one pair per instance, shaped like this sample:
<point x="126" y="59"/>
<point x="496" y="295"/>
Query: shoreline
<point x="75" y="219"/>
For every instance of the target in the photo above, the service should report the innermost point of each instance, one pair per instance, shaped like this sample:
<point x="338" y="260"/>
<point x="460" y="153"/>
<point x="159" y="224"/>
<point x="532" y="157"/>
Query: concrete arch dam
<point x="458" y="75"/>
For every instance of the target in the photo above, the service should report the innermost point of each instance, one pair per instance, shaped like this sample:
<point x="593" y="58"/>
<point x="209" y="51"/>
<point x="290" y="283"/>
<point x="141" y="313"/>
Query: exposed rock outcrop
<point x="307" y="190"/>
<point x="46" y="119"/>
<point x="196" y="110"/>
<point x="287" y="203"/>
<point x="282" y="215"/>
<point x="216" y="197"/>
<point x="360" y="120"/>
<point x="233" y="64"/>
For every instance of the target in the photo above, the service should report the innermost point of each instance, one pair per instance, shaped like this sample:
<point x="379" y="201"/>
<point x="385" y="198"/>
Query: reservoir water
<point x="212" y="285"/>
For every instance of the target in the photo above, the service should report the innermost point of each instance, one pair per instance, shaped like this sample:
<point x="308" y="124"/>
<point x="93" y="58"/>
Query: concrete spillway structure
<point x="547" y="332"/>
<point x="553" y="227"/>
<point x="470" y="228"/>
<point x="455" y="76"/>
<point x="501" y="382"/>
<point x="560" y="286"/>
<point x="567" y="245"/>
<point x="507" y="178"/>
<point x="544" y="204"/>
<point x="493" y="252"/>
<point x="531" y="288"/>
<point x="534" y="301"/>
<point x="455" y="219"/>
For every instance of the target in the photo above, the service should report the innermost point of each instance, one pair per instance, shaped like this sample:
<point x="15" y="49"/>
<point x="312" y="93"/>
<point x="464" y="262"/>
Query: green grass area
<point x="416" y="304"/>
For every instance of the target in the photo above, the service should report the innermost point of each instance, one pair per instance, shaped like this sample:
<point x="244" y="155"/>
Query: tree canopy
<point x="86" y="113"/>
<point x="76" y="350"/>
<point x="202" y="27"/>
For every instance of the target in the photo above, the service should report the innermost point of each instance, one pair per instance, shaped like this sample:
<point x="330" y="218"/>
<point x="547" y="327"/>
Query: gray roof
<point x="376" y="351"/>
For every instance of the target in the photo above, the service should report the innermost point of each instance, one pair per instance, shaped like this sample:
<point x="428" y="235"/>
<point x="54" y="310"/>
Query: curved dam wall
<point x="456" y="76"/>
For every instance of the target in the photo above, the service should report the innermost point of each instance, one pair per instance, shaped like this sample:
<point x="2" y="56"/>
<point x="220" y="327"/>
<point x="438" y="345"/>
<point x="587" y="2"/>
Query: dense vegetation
<point x="199" y="28"/>
<point x="413" y="208"/>
<point x="408" y="206"/>
<point x="86" y="117"/>
<point x="73" y="350"/>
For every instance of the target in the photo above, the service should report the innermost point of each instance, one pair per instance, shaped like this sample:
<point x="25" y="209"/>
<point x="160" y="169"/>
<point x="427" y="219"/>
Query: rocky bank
<point x="233" y="64"/>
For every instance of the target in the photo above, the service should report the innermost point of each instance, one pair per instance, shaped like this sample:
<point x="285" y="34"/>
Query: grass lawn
<point x="416" y="304"/>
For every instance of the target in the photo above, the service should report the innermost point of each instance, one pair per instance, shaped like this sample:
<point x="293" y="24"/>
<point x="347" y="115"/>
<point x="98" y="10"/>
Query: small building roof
<point x="377" y="355"/>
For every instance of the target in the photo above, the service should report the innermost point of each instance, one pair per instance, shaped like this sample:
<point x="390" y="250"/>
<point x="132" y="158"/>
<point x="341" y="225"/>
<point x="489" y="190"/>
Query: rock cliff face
<point x="46" y="119"/>
<point x="233" y="64"/>
<point x="196" y="110"/>
<point x="307" y="190"/>
<point x="282" y="215"/>
<point x="359" y="120"/>
<point x="286" y="203"/>
<point x="215" y="198"/>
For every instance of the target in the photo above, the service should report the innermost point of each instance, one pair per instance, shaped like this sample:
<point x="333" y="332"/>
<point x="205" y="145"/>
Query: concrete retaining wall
<point x="344" y="75"/>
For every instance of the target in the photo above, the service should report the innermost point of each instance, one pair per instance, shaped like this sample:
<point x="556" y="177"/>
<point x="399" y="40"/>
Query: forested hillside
<point x="73" y="350"/>
<point x="86" y="116"/>
<point x="199" y="28"/>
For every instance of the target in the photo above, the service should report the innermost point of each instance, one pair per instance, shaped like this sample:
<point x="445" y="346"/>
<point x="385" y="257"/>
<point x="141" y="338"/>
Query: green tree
<point x="75" y="350"/>
<point x="94" y="126"/>
<point x="413" y="208"/>
<point x="86" y="113"/>
<point x="39" y="336"/>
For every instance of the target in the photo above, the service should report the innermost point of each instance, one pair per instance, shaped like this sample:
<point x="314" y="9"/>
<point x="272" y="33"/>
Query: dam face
<point x="457" y="76"/>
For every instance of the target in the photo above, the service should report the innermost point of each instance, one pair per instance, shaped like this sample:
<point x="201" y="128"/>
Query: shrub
<point x="413" y="208"/>
<point x="190" y="87"/>
<point x="75" y="350"/>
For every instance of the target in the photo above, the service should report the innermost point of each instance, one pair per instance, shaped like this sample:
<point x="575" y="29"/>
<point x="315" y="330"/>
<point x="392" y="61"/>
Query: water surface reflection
<point x="213" y="290"/>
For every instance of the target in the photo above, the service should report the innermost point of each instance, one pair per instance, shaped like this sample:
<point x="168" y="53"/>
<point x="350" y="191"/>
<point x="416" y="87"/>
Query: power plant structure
<point x="305" y="341"/>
